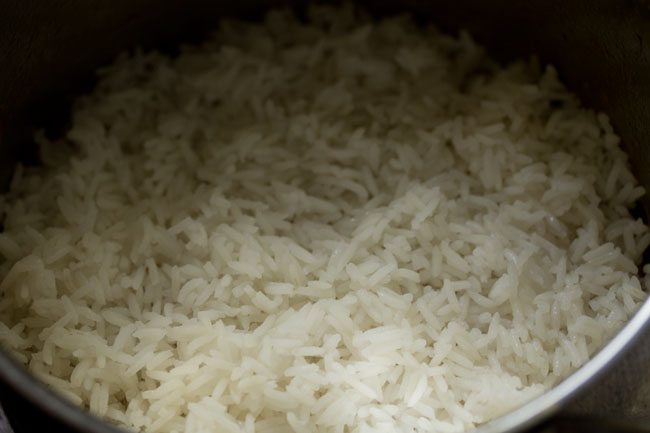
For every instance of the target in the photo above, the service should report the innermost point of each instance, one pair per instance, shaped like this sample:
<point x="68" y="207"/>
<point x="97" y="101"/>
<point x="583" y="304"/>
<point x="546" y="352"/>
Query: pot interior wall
<point x="49" y="50"/>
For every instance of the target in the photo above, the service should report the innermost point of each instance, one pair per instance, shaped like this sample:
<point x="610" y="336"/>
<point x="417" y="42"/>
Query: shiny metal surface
<point x="45" y="401"/>
<point x="553" y="400"/>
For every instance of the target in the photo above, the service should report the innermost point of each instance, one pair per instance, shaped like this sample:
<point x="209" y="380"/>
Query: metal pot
<point x="49" y="50"/>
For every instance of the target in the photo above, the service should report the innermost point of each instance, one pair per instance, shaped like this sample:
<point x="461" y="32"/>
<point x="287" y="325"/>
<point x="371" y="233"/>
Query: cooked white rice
<point x="340" y="226"/>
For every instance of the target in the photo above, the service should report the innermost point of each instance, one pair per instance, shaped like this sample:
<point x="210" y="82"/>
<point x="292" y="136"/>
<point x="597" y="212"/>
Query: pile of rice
<point x="334" y="226"/>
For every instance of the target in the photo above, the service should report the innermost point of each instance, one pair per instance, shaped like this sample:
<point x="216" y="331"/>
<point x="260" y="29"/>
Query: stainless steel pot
<point x="48" y="51"/>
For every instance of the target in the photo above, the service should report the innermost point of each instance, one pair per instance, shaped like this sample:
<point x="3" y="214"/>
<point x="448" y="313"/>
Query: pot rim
<point x="551" y="401"/>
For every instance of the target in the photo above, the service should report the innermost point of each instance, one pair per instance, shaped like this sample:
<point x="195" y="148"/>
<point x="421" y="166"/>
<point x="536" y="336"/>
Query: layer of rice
<point x="334" y="226"/>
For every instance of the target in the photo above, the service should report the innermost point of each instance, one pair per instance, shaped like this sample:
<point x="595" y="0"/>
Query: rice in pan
<point x="343" y="225"/>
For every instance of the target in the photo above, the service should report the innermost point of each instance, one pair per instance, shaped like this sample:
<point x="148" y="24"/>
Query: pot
<point x="601" y="49"/>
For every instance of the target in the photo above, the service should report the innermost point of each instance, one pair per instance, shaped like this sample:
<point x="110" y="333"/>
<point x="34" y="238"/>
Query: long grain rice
<point x="323" y="226"/>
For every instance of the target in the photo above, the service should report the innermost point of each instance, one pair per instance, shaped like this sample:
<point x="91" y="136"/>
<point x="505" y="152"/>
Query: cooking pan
<point x="601" y="48"/>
